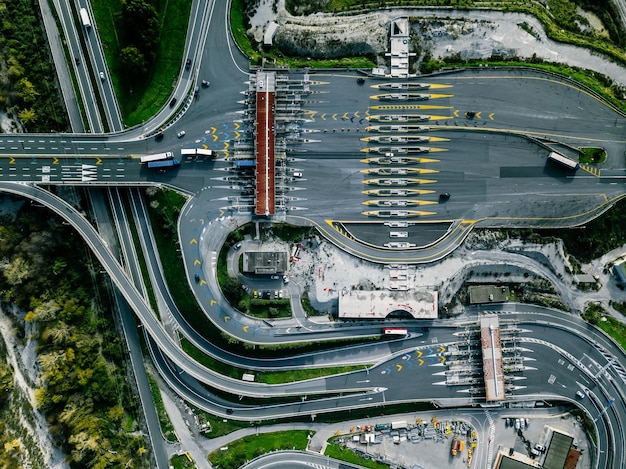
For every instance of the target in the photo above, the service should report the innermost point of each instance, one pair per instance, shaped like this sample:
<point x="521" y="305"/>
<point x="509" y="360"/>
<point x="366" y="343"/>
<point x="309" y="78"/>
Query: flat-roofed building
<point x="265" y="262"/>
<point x="378" y="304"/>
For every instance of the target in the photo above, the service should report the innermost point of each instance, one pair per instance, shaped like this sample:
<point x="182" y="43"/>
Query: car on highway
<point x="255" y="294"/>
<point x="181" y="134"/>
<point x="101" y="76"/>
<point x="188" y="64"/>
<point x="158" y="136"/>
<point x="580" y="394"/>
<point x="172" y="102"/>
<point x="237" y="247"/>
<point x="297" y="174"/>
<point x="444" y="196"/>
<point x="285" y="279"/>
<point x="206" y="83"/>
<point x="275" y="277"/>
<point x="197" y="276"/>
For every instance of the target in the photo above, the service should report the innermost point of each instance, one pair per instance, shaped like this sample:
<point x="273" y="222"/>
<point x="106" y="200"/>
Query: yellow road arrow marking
<point x="442" y="349"/>
<point x="288" y="330"/>
<point x="226" y="145"/>
<point x="421" y="361"/>
<point x="226" y="318"/>
<point x="345" y="115"/>
<point x="245" y="328"/>
<point x="356" y="114"/>
<point x="323" y="116"/>
<point x="478" y="115"/>
<point x="334" y="117"/>
<point x="213" y="129"/>
<point x="12" y="160"/>
<point x="491" y="116"/>
<point x="193" y="241"/>
<point x="205" y="146"/>
<point x="443" y="359"/>
<point x="202" y="282"/>
<point x="456" y="113"/>
<point x="55" y="161"/>
<point x="237" y="134"/>
<point x="226" y="153"/>
<point x="215" y="137"/>
<point x="98" y="160"/>
<point x="212" y="302"/>
<point x="197" y="262"/>
<point x="399" y="367"/>
<point x="419" y="353"/>
<point x="221" y="212"/>
<point x="237" y="126"/>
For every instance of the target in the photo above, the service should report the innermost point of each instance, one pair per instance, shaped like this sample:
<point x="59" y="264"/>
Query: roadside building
<point x="265" y="262"/>
<point x="378" y="304"/>
<point x="620" y="272"/>
<point x="488" y="294"/>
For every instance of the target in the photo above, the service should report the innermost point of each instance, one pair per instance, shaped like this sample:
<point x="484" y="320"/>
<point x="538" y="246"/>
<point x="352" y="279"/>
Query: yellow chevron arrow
<point x="478" y="115"/>
<point x="334" y="117"/>
<point x="202" y="282"/>
<point x="237" y="134"/>
<point x="345" y="115"/>
<point x="221" y="212"/>
<point x="443" y="359"/>
<point x="356" y="114"/>
<point x="245" y="328"/>
<point x="226" y="145"/>
<point x="215" y="137"/>
<point x="456" y="113"/>
<point x="12" y="160"/>
<point x="419" y="353"/>
<point x="205" y="146"/>
<point x="226" y="318"/>
<point x="202" y="221"/>
<point x="193" y="241"/>
<point x="98" y="160"/>
<point x="196" y="262"/>
<point x="213" y="129"/>
<point x="491" y="116"/>
<point x="421" y="361"/>
<point x="323" y="116"/>
<point x="442" y="349"/>
<point x="55" y="161"/>
<point x="212" y="302"/>
<point x="237" y="126"/>
<point x="399" y="367"/>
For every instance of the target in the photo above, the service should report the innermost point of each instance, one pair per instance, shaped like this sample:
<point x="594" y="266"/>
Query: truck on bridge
<point x="163" y="164"/>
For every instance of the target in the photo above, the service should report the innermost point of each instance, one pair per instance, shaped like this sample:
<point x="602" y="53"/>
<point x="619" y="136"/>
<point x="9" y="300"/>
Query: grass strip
<point x="252" y="446"/>
<point x="337" y="452"/>
<point x="164" y="421"/>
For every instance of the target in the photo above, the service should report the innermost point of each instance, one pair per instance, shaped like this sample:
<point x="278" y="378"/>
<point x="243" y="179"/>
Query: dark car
<point x="197" y="277"/>
<point x="444" y="196"/>
<point x="360" y="81"/>
<point x="229" y="411"/>
<point x="188" y="64"/>
<point x="470" y="114"/>
<point x="172" y="102"/>
<point x="158" y="136"/>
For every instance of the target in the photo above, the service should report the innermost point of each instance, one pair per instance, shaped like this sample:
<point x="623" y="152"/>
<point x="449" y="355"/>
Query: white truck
<point x="84" y="17"/>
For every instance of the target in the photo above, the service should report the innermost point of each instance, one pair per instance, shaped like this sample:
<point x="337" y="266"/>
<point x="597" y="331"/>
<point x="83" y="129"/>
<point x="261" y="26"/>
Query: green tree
<point x="134" y="62"/>
<point x="26" y="90"/>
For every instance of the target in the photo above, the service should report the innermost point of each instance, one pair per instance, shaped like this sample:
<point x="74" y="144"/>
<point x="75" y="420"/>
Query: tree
<point x="134" y="62"/>
<point x="27" y="116"/>
<point x="17" y="271"/>
<point x="26" y="90"/>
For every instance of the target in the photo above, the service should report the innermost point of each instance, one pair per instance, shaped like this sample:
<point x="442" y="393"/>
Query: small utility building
<point x="265" y="262"/>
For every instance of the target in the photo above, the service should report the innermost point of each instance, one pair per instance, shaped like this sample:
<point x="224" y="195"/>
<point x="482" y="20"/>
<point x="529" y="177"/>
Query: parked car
<point x="181" y="134"/>
<point x="275" y="277"/>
